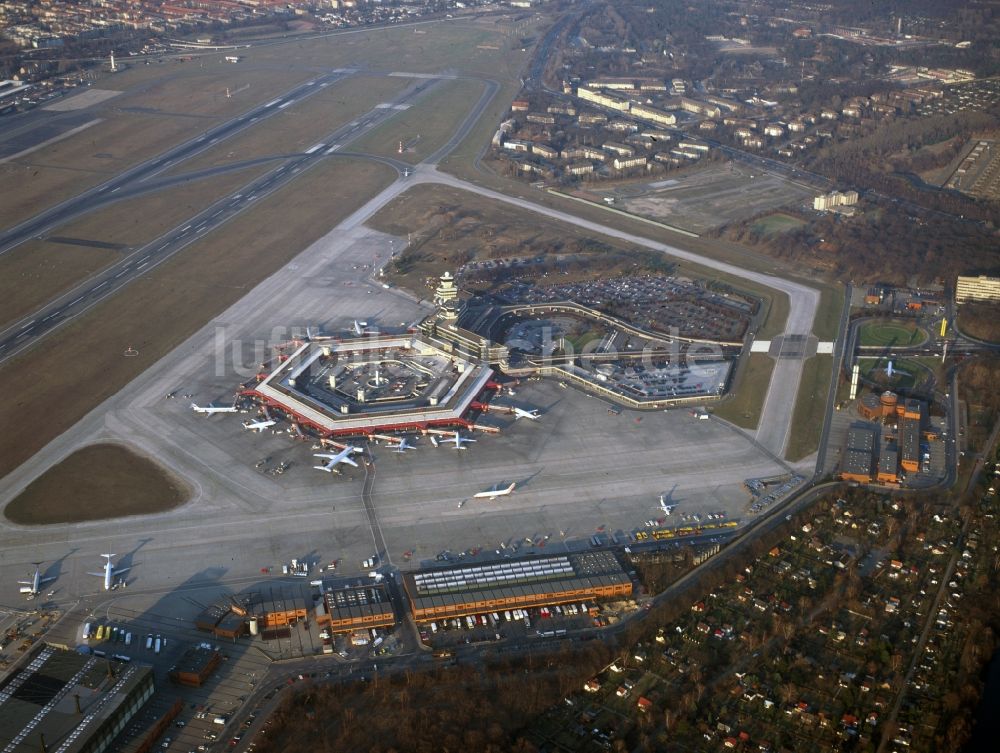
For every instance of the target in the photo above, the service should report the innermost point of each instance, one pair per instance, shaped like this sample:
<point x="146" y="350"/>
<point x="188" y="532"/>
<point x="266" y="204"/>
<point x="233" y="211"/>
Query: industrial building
<point x="254" y="611"/>
<point x="195" y="665"/>
<point x="981" y="288"/>
<point x="859" y="454"/>
<point x="515" y="584"/>
<point x="355" y="608"/>
<point x="67" y="702"/>
<point x="901" y="450"/>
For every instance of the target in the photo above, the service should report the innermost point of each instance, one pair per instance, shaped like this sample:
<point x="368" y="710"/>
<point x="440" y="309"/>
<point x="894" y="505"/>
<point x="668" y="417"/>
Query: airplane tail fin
<point x="109" y="556"/>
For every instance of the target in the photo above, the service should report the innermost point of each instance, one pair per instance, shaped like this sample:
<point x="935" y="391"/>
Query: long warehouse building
<point x="515" y="584"/>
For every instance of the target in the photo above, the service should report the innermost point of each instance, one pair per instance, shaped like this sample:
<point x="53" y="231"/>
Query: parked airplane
<point x="403" y="446"/>
<point x="664" y="507"/>
<point x="34" y="586"/>
<point x="344" y="456"/>
<point x="210" y="409"/>
<point x="522" y="413"/>
<point x="495" y="492"/>
<point x="258" y="425"/>
<point x="359" y="327"/>
<point x="110" y="572"/>
<point x="459" y="441"/>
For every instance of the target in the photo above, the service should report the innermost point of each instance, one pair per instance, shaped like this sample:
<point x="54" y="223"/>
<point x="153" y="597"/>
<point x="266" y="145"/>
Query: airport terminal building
<point x="66" y="702"/>
<point x="515" y="584"/>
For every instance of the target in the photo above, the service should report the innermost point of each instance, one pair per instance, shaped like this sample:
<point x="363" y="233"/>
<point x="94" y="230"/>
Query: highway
<point x="101" y="194"/>
<point x="30" y="329"/>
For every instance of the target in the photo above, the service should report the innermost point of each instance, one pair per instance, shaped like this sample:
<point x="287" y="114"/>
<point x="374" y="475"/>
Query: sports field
<point x="777" y="223"/>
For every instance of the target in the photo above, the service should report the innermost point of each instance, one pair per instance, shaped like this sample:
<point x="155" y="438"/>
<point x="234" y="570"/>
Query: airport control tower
<point x="446" y="299"/>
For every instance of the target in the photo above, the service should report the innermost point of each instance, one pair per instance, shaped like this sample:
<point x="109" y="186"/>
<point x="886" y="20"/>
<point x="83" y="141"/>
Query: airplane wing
<point x="349" y="461"/>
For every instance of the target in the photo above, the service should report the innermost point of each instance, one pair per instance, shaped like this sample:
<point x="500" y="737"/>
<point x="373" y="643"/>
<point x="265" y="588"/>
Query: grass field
<point x="746" y="403"/>
<point x="831" y="306"/>
<point x="906" y="372"/>
<point x="810" y="408"/>
<point x="34" y="273"/>
<point x="426" y="126"/>
<point x="70" y="491"/>
<point x="163" y="104"/>
<point x="164" y="113"/>
<point x="892" y="333"/>
<point x="777" y="223"/>
<point x="300" y="126"/>
<point x="158" y="311"/>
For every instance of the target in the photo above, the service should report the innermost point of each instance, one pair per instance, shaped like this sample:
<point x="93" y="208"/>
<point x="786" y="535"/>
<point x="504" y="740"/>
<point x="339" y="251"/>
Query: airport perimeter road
<point x="776" y="416"/>
<point x="99" y="195"/>
<point x="26" y="332"/>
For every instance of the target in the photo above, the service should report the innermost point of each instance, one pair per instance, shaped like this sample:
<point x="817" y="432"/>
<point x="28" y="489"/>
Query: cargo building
<point x="195" y="666"/>
<point x="355" y="608"/>
<point x="859" y="454"/>
<point x="515" y="584"/>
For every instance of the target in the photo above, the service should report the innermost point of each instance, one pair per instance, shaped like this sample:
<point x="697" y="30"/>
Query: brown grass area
<point x="72" y="492"/>
<point x="158" y="311"/>
<point x="449" y="227"/>
<point x="300" y="126"/>
<point x="810" y="408"/>
<point x="34" y="273"/>
<point x="746" y="403"/>
<point x="184" y="99"/>
<point x="179" y="108"/>
<point x="426" y="126"/>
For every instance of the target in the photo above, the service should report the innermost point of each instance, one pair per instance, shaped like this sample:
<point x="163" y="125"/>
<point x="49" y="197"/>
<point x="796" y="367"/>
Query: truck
<point x="149" y="642"/>
<point x="157" y="644"/>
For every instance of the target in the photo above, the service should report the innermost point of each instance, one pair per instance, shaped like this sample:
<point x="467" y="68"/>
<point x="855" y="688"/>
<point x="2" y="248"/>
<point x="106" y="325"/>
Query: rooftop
<point x="530" y="576"/>
<point x="41" y="699"/>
